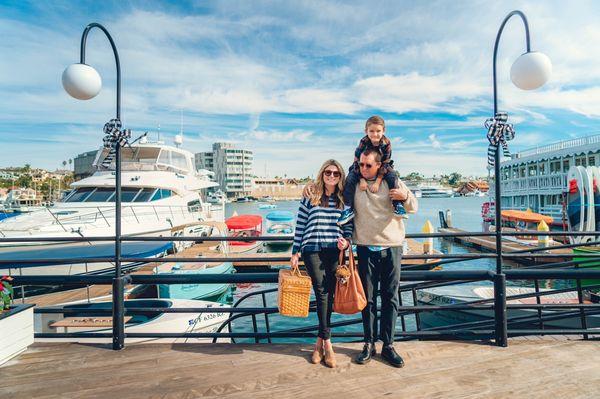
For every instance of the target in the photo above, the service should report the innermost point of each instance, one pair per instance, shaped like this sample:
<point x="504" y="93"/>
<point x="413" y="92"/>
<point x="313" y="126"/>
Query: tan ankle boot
<point x="330" y="358"/>
<point x="317" y="355"/>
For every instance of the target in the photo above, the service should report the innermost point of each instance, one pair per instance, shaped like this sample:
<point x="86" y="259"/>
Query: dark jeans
<point x="353" y="179"/>
<point x="380" y="268"/>
<point x="321" y="268"/>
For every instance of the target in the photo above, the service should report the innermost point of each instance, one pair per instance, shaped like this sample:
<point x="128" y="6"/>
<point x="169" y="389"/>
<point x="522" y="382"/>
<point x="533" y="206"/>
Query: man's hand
<point x="294" y="260"/>
<point x="309" y="189"/>
<point x="374" y="187"/>
<point x="363" y="185"/>
<point x="399" y="194"/>
<point x="342" y="243"/>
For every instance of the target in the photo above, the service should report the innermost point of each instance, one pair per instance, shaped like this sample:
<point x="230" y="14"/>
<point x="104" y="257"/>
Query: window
<point x="79" y="194"/>
<point x="565" y="165"/>
<point x="129" y="193"/>
<point x="591" y="160"/>
<point x="144" y="195"/>
<point x="194" y="206"/>
<point x="161" y="193"/>
<point x="101" y="195"/>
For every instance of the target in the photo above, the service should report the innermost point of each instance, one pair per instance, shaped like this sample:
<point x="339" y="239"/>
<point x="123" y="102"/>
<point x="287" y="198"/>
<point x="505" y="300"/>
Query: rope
<point x="499" y="132"/>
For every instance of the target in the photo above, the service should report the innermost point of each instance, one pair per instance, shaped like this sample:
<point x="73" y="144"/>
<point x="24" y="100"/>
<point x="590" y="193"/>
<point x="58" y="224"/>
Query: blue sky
<point x="295" y="81"/>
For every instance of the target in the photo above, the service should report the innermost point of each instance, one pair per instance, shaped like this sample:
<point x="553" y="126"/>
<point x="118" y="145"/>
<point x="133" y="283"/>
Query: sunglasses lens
<point x="331" y="172"/>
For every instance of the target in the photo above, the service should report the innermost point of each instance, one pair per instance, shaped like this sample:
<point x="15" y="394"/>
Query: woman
<point x="319" y="238"/>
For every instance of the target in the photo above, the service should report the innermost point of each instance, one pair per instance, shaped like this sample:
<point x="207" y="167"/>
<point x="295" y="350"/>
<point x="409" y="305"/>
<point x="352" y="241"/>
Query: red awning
<point x="243" y="222"/>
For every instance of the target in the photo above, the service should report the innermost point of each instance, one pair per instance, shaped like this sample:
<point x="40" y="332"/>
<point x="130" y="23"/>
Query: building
<point x="473" y="187"/>
<point x="83" y="164"/>
<point x="280" y="189"/>
<point x="232" y="167"/>
<point x="204" y="160"/>
<point x="536" y="179"/>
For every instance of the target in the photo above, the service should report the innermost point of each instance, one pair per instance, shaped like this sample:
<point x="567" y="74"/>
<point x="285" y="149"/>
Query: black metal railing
<point x="496" y="319"/>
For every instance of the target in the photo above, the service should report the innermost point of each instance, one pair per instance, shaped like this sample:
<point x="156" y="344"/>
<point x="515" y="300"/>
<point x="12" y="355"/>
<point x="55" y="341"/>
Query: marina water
<point x="466" y="215"/>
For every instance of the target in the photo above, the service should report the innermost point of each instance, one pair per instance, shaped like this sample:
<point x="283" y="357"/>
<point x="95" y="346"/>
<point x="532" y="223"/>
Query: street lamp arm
<point x="115" y="52"/>
<point x="528" y="44"/>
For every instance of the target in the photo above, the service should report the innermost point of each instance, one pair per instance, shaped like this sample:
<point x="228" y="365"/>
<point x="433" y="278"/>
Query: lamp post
<point x="529" y="72"/>
<point x="83" y="82"/>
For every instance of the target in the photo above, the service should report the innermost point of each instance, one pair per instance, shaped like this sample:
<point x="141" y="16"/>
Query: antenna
<point x="158" y="139"/>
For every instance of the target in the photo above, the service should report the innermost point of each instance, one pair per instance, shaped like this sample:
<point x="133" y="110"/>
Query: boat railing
<point x="578" y="142"/>
<point x="497" y="319"/>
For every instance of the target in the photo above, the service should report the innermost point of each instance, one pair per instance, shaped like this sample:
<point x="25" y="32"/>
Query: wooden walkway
<point x="489" y="244"/>
<point x="526" y="369"/>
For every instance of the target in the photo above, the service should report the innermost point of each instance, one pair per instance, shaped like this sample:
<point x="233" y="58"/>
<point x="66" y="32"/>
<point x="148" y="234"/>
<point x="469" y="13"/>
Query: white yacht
<point x="434" y="191"/>
<point x="161" y="196"/>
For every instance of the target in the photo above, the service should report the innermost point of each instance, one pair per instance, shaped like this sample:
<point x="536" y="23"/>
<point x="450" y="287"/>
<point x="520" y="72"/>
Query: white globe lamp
<point x="531" y="70"/>
<point x="81" y="81"/>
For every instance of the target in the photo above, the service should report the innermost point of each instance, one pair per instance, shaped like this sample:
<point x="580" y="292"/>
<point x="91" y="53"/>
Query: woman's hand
<point x="399" y="194"/>
<point x="342" y="243"/>
<point x="294" y="260"/>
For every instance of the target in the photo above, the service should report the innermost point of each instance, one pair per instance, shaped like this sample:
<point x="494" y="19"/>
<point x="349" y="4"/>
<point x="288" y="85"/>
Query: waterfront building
<point x="232" y="167"/>
<point x="280" y="189"/>
<point x="83" y="164"/>
<point x="536" y="178"/>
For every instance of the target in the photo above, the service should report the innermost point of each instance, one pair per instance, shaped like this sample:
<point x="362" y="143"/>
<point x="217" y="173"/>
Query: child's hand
<point x="363" y="185"/>
<point x="374" y="187"/>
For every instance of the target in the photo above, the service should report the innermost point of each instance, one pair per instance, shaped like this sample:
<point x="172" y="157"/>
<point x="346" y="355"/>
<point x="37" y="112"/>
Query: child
<point x="374" y="138"/>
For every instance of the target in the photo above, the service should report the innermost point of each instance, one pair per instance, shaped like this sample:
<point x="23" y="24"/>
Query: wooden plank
<point x="87" y="321"/>
<point x="433" y="370"/>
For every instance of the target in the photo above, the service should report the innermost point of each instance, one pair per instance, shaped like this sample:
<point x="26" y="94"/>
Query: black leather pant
<point x="380" y="268"/>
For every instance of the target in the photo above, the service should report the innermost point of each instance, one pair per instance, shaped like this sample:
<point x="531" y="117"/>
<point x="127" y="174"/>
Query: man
<point x="378" y="235"/>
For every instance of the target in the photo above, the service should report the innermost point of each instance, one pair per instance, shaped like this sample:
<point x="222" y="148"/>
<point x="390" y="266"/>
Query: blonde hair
<point x="375" y="120"/>
<point x="318" y="194"/>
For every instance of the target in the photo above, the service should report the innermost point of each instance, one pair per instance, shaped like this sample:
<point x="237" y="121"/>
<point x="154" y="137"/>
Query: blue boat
<point x="280" y="223"/>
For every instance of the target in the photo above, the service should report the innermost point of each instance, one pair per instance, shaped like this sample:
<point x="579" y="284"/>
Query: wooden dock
<point x="526" y="369"/>
<point x="489" y="244"/>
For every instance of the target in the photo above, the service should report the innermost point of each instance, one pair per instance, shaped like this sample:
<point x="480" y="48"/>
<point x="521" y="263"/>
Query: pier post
<point x="118" y="294"/>
<point x="500" y="310"/>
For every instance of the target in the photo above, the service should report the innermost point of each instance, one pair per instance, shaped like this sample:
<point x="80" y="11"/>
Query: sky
<point x="295" y="81"/>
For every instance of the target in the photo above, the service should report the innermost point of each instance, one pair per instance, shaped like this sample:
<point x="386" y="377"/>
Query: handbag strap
<point x="351" y="260"/>
<point x="342" y="257"/>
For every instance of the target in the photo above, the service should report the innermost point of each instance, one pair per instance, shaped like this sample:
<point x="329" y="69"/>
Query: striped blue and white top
<point x="317" y="228"/>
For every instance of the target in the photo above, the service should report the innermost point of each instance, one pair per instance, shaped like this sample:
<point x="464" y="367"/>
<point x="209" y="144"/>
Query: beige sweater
<point x="374" y="220"/>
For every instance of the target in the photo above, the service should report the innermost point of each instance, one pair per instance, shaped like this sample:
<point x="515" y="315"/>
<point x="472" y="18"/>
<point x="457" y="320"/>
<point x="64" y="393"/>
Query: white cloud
<point x="435" y="143"/>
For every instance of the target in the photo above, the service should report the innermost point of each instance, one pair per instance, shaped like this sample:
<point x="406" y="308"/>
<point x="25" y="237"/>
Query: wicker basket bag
<point x="294" y="293"/>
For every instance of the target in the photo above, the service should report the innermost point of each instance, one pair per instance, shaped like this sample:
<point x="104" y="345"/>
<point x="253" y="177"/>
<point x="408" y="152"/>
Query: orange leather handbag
<point x="349" y="293"/>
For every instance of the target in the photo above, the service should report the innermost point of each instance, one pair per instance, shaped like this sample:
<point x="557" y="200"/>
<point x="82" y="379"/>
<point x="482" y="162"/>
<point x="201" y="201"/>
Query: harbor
<point x="299" y="200"/>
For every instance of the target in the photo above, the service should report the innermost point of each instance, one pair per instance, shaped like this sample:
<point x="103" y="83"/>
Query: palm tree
<point x="64" y="163"/>
<point x="70" y="162"/>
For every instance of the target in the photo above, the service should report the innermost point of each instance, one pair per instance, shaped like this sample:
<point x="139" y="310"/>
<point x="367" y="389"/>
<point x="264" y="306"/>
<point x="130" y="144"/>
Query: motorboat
<point x="244" y="226"/>
<point x="280" y="223"/>
<point x="194" y="290"/>
<point x="151" y="321"/>
<point x="461" y="294"/>
<point x="217" y="197"/>
<point x="267" y="206"/>
<point x="435" y="191"/>
<point x="161" y="196"/>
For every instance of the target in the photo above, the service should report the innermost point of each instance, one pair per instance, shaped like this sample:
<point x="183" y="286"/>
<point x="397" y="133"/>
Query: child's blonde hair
<point x="375" y="120"/>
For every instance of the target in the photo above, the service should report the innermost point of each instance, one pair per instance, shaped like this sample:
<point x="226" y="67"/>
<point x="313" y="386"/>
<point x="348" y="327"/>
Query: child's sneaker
<point x="400" y="211"/>
<point x="346" y="216"/>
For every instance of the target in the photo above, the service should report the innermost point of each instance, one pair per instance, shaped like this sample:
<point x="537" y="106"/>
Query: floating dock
<point x="489" y="244"/>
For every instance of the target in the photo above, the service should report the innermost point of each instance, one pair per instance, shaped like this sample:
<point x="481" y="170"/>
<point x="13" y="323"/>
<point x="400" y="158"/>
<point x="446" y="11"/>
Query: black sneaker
<point x="366" y="354"/>
<point x="391" y="356"/>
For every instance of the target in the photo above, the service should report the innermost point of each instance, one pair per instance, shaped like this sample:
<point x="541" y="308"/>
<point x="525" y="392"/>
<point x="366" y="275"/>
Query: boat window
<point x="164" y="157"/>
<point x="161" y="194"/>
<point x="101" y="195"/>
<point x="144" y="195"/>
<point x="79" y="194"/>
<point x="129" y="193"/>
<point x="194" y="206"/>
<point x="178" y="160"/>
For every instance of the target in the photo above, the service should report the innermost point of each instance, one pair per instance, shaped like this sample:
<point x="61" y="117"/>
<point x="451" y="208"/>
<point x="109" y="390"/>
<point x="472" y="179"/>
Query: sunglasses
<point x="335" y="173"/>
<point x="365" y="165"/>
